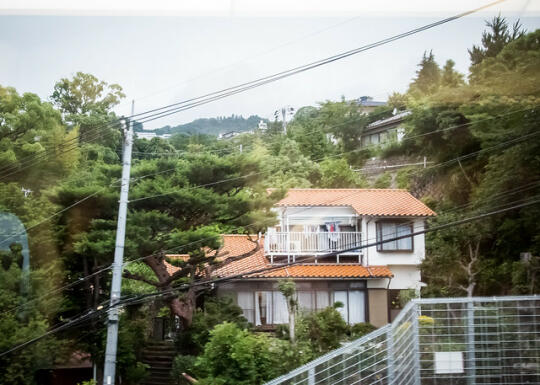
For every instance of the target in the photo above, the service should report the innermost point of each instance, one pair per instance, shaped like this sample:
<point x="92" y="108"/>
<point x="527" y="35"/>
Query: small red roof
<point x="377" y="202"/>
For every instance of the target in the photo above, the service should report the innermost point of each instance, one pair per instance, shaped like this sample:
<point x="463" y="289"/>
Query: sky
<point x="163" y="51"/>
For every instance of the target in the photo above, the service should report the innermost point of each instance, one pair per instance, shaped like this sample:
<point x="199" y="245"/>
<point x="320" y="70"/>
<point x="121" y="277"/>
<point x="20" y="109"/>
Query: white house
<point x="330" y="242"/>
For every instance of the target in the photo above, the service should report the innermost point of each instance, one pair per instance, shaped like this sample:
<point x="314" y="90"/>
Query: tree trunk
<point x="291" y="325"/>
<point x="181" y="307"/>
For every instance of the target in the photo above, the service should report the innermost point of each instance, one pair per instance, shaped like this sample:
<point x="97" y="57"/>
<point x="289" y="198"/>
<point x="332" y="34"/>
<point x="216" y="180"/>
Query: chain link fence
<point x="455" y="341"/>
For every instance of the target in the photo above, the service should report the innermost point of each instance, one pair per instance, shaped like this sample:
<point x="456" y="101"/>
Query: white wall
<point x="405" y="277"/>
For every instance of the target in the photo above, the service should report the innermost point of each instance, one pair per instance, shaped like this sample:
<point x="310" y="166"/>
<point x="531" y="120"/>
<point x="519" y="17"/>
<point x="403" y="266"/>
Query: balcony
<point x="312" y="243"/>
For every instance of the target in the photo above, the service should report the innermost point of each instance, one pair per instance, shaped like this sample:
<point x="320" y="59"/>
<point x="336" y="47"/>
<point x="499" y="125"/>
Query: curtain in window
<point x="341" y="296"/>
<point x="263" y="308"/>
<point x="405" y="243"/>
<point x="322" y="300"/>
<point x="245" y="302"/>
<point x="357" y="306"/>
<point x="280" y="312"/>
<point x="305" y="300"/>
<point x="388" y="231"/>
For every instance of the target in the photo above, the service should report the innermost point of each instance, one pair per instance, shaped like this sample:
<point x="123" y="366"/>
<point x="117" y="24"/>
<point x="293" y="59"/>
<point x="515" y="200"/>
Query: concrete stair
<point x="159" y="355"/>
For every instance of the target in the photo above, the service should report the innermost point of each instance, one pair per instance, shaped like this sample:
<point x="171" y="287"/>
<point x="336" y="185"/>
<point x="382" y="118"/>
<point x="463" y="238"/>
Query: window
<point x="354" y="305"/>
<point x="389" y="230"/>
<point x="245" y="302"/>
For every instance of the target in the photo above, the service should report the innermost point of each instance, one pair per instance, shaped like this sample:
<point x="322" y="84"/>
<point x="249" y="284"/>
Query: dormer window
<point x="392" y="229"/>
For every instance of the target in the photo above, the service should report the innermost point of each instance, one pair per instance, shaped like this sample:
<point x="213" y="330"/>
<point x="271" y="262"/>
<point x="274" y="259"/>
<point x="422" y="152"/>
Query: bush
<point x="384" y="181"/>
<point x="236" y="356"/>
<point x="324" y="330"/>
<point x="183" y="364"/>
<point x="360" y="329"/>
<point x="216" y="310"/>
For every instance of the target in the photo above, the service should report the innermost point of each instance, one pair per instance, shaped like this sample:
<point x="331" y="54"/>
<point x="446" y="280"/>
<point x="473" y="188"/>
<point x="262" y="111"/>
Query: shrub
<point x="236" y="356"/>
<point x="324" y="330"/>
<point x="360" y="329"/>
<point x="216" y="310"/>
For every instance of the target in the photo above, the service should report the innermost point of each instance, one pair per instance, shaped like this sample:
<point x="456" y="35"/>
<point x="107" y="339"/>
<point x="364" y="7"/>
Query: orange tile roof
<point x="233" y="245"/>
<point x="327" y="271"/>
<point x="236" y="245"/>
<point x="379" y="202"/>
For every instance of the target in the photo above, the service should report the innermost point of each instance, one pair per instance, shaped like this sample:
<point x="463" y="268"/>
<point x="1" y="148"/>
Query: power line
<point x="254" y="174"/>
<point x="189" y="103"/>
<point x="147" y="116"/>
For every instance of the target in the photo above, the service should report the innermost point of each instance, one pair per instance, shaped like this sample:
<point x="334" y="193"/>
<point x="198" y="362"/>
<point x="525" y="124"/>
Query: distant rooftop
<point x="367" y="101"/>
<point x="393" y="119"/>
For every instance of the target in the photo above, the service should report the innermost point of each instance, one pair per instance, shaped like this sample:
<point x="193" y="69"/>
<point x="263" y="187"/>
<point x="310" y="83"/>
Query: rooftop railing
<point x="310" y="242"/>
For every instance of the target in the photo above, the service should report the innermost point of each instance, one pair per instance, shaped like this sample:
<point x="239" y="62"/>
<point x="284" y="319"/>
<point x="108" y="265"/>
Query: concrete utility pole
<point x="109" y="369"/>
<point x="285" y="111"/>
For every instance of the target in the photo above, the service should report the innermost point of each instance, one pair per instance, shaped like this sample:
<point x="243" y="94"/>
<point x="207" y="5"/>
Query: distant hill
<point x="210" y="126"/>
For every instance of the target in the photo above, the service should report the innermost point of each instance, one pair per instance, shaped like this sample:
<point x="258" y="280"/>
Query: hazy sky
<point x="162" y="59"/>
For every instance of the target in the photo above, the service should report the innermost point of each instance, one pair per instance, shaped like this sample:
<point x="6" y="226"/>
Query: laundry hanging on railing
<point x="333" y="230"/>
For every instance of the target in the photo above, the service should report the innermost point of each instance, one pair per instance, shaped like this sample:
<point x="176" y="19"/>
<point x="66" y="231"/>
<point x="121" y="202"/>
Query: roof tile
<point x="377" y="202"/>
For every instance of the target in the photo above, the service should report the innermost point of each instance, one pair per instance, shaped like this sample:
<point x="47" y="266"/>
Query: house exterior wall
<point x="378" y="307"/>
<point x="359" y="307"/>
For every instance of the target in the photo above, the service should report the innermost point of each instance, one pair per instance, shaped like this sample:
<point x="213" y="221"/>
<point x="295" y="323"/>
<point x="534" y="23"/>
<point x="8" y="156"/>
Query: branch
<point x="137" y="277"/>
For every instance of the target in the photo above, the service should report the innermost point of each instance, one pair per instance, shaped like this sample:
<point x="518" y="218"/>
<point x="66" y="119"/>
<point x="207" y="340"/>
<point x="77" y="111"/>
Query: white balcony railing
<point x="307" y="243"/>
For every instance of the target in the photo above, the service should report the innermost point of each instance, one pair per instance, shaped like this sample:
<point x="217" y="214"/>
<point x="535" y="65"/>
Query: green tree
<point x="336" y="173"/>
<point x="21" y="321"/>
<point x="344" y="121"/>
<point x="87" y="103"/>
<point x="287" y="287"/>
<point x="495" y="39"/>
<point x="35" y="147"/>
<point x="428" y="77"/>
<point x="450" y="77"/>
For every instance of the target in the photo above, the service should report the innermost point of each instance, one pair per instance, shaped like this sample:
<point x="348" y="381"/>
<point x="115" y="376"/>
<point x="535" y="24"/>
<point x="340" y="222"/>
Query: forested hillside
<point x="211" y="126"/>
<point x="60" y="166"/>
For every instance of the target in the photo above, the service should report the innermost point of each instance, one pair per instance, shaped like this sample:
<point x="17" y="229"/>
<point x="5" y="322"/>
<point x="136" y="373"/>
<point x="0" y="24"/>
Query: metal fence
<point x="439" y="341"/>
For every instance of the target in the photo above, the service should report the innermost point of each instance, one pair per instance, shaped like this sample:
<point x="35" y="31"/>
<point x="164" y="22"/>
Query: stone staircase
<point x="159" y="355"/>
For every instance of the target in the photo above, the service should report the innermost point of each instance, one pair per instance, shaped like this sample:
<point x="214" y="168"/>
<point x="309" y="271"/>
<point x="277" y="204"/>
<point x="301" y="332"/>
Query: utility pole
<point x="285" y="111"/>
<point x="109" y="369"/>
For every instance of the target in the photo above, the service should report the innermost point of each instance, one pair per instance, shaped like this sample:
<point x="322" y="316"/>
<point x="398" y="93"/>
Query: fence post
<point x="311" y="376"/>
<point x="416" y="344"/>
<point x="390" y="350"/>
<point x="471" y="354"/>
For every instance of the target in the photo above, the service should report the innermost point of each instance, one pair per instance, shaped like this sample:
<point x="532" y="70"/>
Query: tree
<point x="31" y="131"/>
<point x="21" y="321"/>
<point x="87" y="103"/>
<point x="428" y="77"/>
<point x="288" y="289"/>
<point x="457" y="252"/>
<point x="345" y="122"/>
<point x="494" y="40"/>
<point x="336" y="173"/>
<point x="180" y="205"/>
<point x="450" y="77"/>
